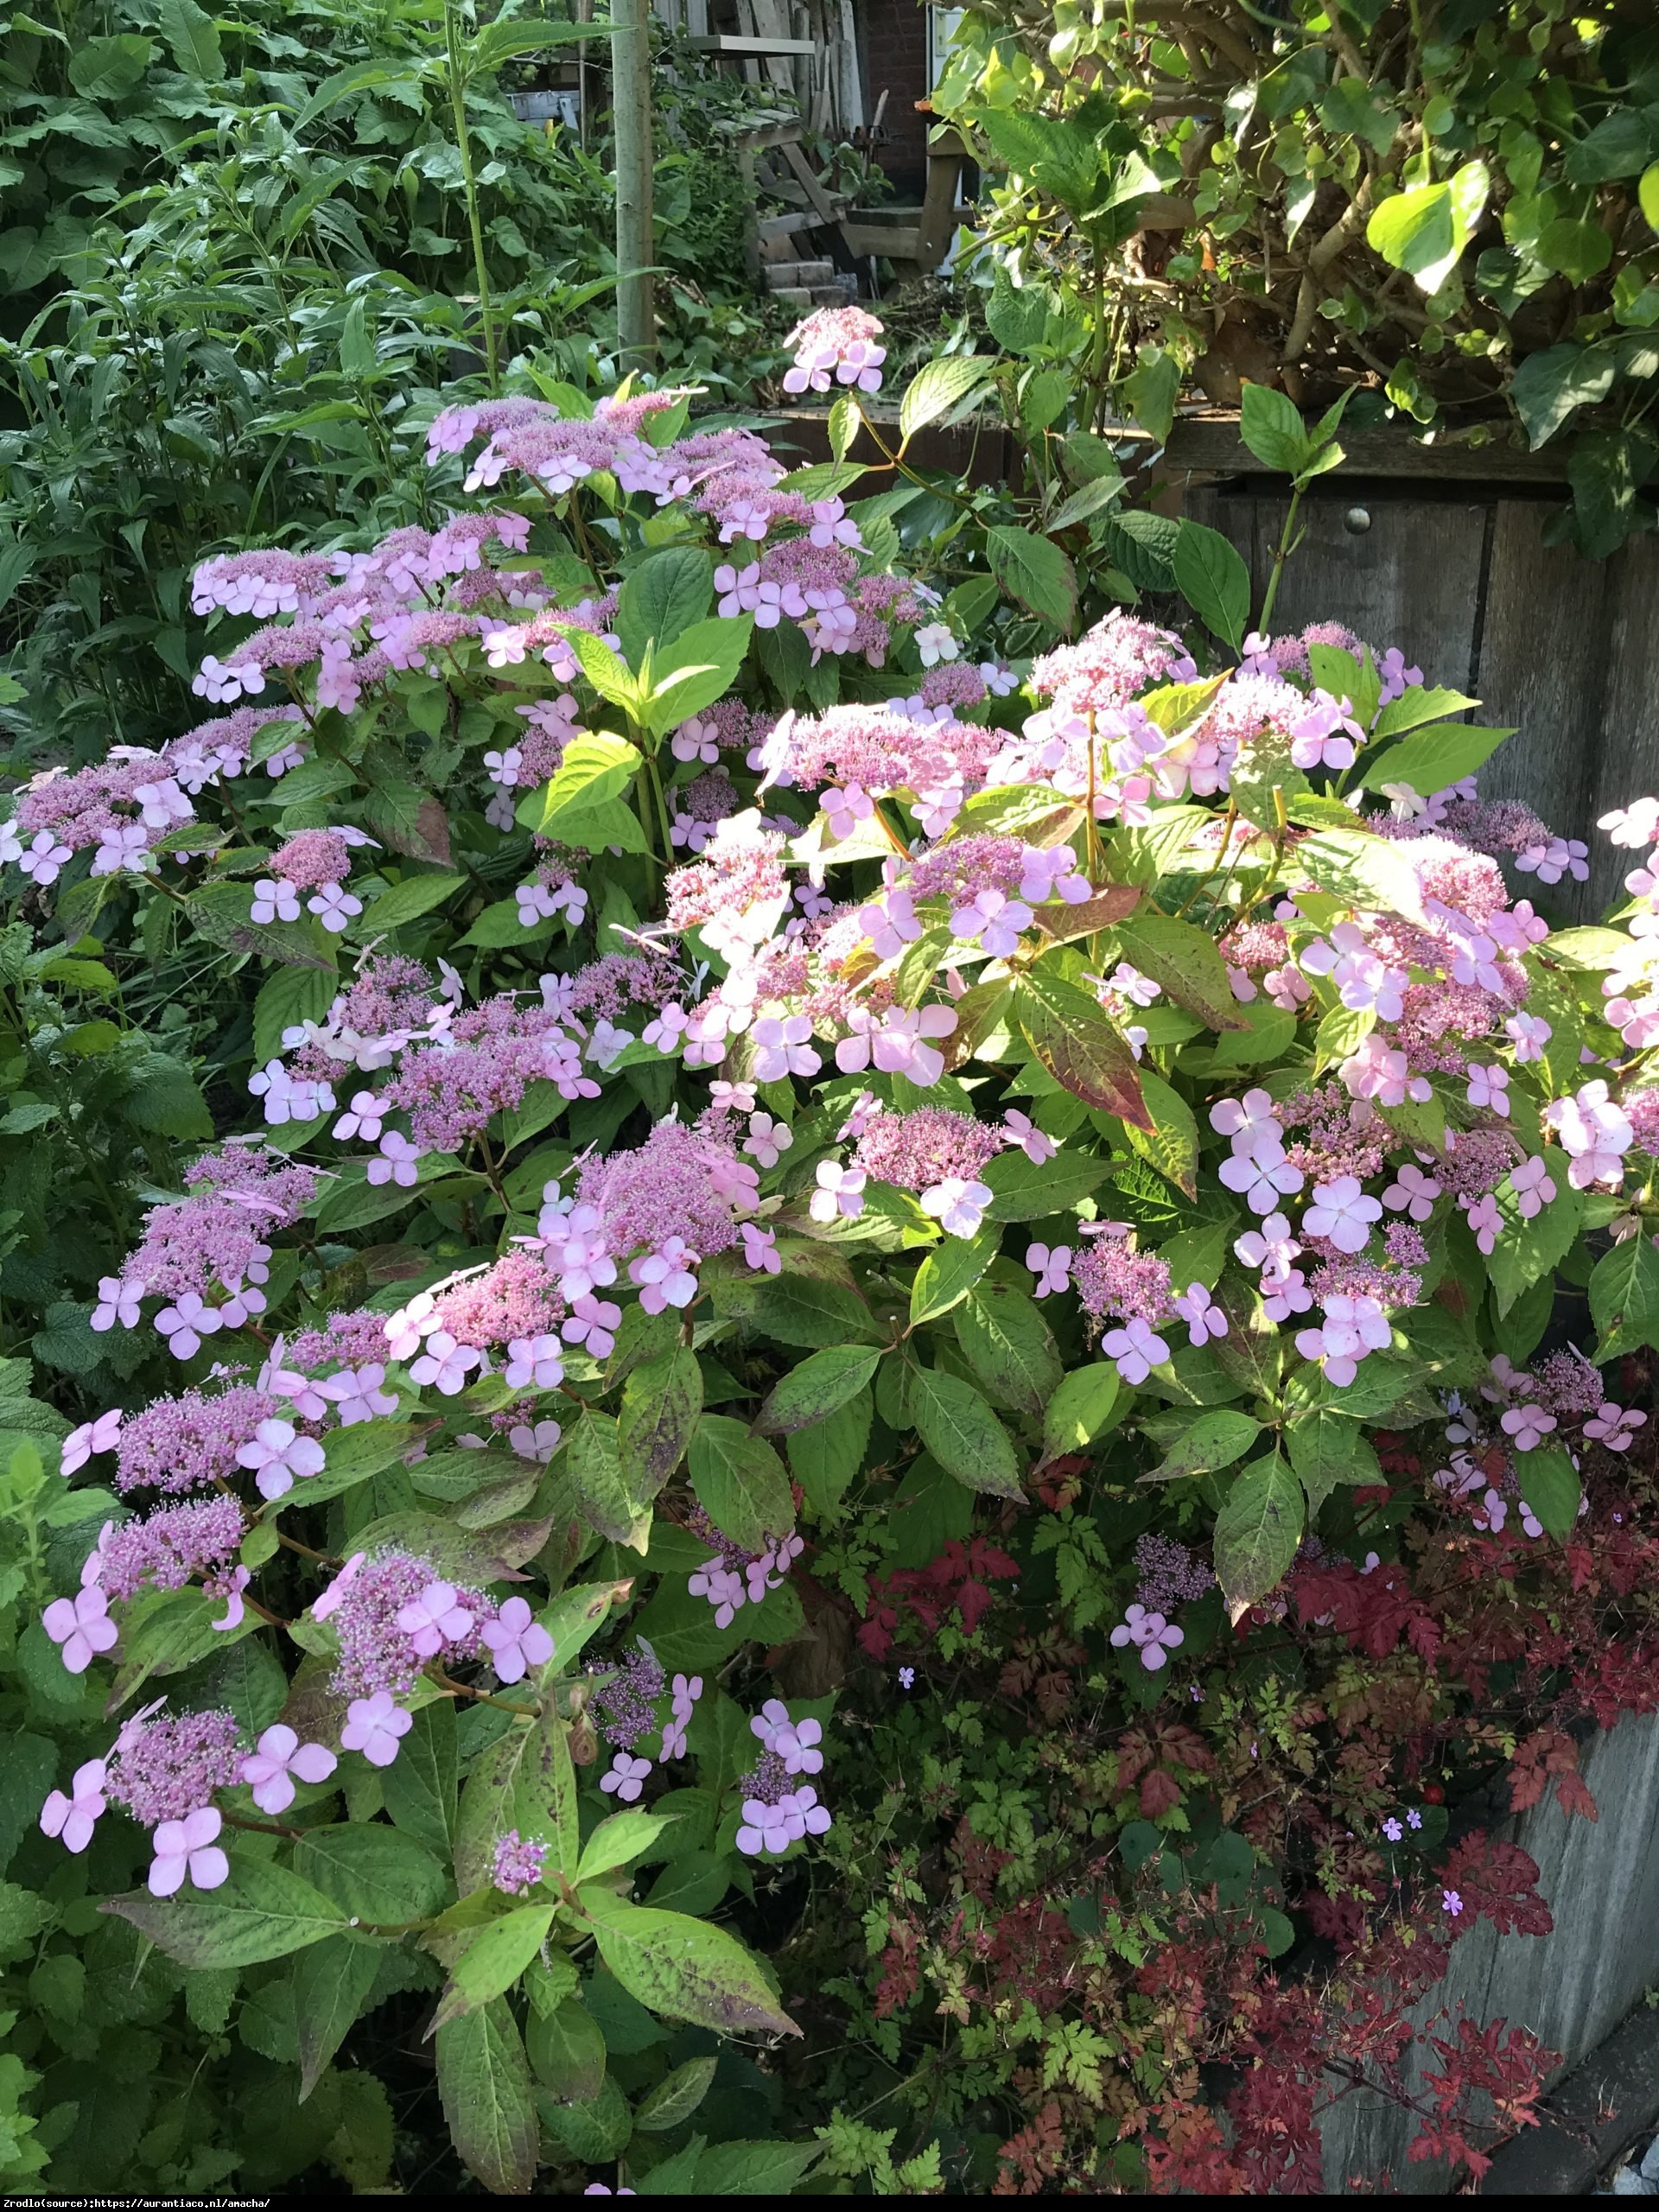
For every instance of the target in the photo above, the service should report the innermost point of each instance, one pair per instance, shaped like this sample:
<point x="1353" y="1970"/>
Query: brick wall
<point x="892" y="53"/>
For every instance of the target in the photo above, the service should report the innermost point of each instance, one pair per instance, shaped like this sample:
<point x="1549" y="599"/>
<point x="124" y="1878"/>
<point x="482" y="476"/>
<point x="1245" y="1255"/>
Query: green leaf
<point x="819" y="1386"/>
<point x="1171" y="1145"/>
<point x="1424" y="231"/>
<point x="941" y="387"/>
<point x="566" y="2050"/>
<point x="492" y="1962"/>
<point x="660" y="1405"/>
<point x="1548" y="385"/>
<point x="1648" y="192"/>
<point x="699" y="667"/>
<point x="677" y="2096"/>
<point x="1271" y="426"/>
<point x="167" y="1099"/>
<point x="1625" y="1297"/>
<point x="484" y="2083"/>
<point x="420" y="1786"/>
<point x="1359" y="866"/>
<point x="406" y="902"/>
<point x="1213" y="579"/>
<point x="620" y="1840"/>
<point x="795" y="1309"/>
<point x="1182" y="959"/>
<point x="331" y="1983"/>
<point x="1257" y="1531"/>
<point x="221" y="912"/>
<point x="372" y="1872"/>
<point x="261" y="1912"/>
<point x="1433" y="759"/>
<point x="959" y="1428"/>
<point x="193" y="37"/>
<point x="1033" y="570"/>
<point x="1081" y="1406"/>
<point x="109" y="68"/>
<point x="948" y="1272"/>
<point x="1215" y="1440"/>
<point x="740" y="1483"/>
<point x="1016" y="319"/>
<point x="1549" y="1482"/>
<point x="594" y="768"/>
<point x="1325" y="1448"/>
<point x="685" y="1968"/>
<point x="1071" y="1036"/>
<point x="287" y="997"/>
<point x="669" y="591"/>
<point x="523" y="1780"/>
<point x="731" y="2170"/>
<point x="824" y="1458"/>
<point x="1023" y="1189"/>
<point x="593" y="1458"/>
<point x="1005" y="1341"/>
<point x="1525" y="1251"/>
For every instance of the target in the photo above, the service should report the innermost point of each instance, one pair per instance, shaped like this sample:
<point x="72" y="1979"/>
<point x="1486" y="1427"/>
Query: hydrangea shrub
<point x="738" y="1065"/>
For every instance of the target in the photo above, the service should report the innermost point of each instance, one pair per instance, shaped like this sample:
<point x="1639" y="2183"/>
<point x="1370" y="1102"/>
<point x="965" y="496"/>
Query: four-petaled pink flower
<point x="782" y="1047"/>
<point x="1155" y="1637"/>
<point x="186" y="1324"/>
<point x="1352" y="1327"/>
<point x="1343" y="1213"/>
<point x="667" y="1278"/>
<point x="1052" y="1265"/>
<point x="1262" y="1178"/>
<point x="1250" y="1121"/>
<point x="358" y="1396"/>
<point x="534" y="1363"/>
<point x="275" y="900"/>
<point x="399" y="1162"/>
<point x="445" y="1363"/>
<point x="1203" y="1318"/>
<point x="93" y="1436"/>
<point x="1035" y="1143"/>
<point x="1526" y="1427"/>
<point x="334" y="906"/>
<point x="362" y="1118"/>
<point x="1615" y="1426"/>
<point x="1533" y="1185"/>
<point x="435" y="1618"/>
<point x="957" y="1205"/>
<point x="1490" y="1087"/>
<point x="1529" y="1033"/>
<point x="188" y="1847"/>
<point x="74" y="1816"/>
<point x="516" y="1641"/>
<point x="840" y="1192"/>
<point x="626" y="1778"/>
<point x="760" y="1250"/>
<point x="1136" y="1350"/>
<point x="118" y="1300"/>
<point x="81" y="1625"/>
<point x="1450" y="1901"/>
<point x="374" y="1727"/>
<point x="277" y="1453"/>
<point x="1412" y="1193"/>
<point x="592" y="1322"/>
<point x="1326" y="735"/>
<point x="993" y="920"/>
<point x="271" y="1768"/>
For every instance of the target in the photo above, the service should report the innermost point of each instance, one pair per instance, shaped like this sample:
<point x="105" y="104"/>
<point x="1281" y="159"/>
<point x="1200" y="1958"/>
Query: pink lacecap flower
<point x="516" y="1641"/>
<point x="435" y="1618"/>
<point x="1341" y="1212"/>
<point x="1527" y="1426"/>
<point x="1155" y="1637"/>
<point x="91" y="1437"/>
<point x="957" y="1205"/>
<point x="73" y="1817"/>
<point x="1051" y="1265"/>
<point x="626" y="1778"/>
<point x="1615" y="1426"/>
<point x="279" y="1453"/>
<point x="81" y="1625"/>
<point x="271" y="1768"/>
<point x="1037" y="1146"/>
<point x="374" y="1727"/>
<point x="1203" y="1318"/>
<point x="188" y="1847"/>
<point x="839" y="1192"/>
<point x="1135" y="1349"/>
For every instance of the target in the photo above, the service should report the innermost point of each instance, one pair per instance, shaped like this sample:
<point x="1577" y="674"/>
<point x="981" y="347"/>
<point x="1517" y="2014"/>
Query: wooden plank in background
<point x="1627" y="759"/>
<point x="1542" y="666"/>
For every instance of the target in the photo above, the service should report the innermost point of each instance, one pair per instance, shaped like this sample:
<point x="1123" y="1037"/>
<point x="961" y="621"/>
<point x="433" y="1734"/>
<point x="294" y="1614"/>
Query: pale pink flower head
<point x="375" y="1726"/>
<point x="73" y="1817"/>
<point x="626" y="1778"/>
<point x="434" y="1619"/>
<point x="277" y="1453"/>
<point x="81" y="1626"/>
<point x="1343" y="1213"/>
<point x="1203" y="1317"/>
<point x="958" y="1206"/>
<point x="516" y="1641"/>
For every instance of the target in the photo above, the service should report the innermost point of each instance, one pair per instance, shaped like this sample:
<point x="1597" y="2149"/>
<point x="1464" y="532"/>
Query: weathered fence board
<point x="1572" y="1987"/>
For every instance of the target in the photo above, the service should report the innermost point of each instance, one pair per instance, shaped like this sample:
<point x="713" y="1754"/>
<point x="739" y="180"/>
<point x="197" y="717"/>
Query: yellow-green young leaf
<point x="484" y="2088"/>
<point x="819" y="1386"/>
<point x="740" y="1483"/>
<point x="523" y="1780"/>
<point x="1257" y="1531"/>
<point x="677" y="2096"/>
<point x="1369" y="870"/>
<point x="261" y="1912"/>
<point x="492" y="1961"/>
<point x="1071" y="1036"/>
<point x="1080" y="1408"/>
<point x="1005" y="1341"/>
<point x="959" y="1428"/>
<point x="567" y="2049"/>
<point x="940" y="386"/>
<point x="1215" y="1440"/>
<point x="1341" y="1033"/>
<point x="660" y="1406"/>
<point x="593" y="1458"/>
<point x="593" y="769"/>
<point x="620" y="1839"/>
<point x="1172" y="1143"/>
<point x="948" y="1272"/>
<point x="1548" y="1483"/>
<point x="1435" y="758"/>
<point x="1184" y="960"/>
<point x="699" y="668"/>
<point x="683" y="1968"/>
